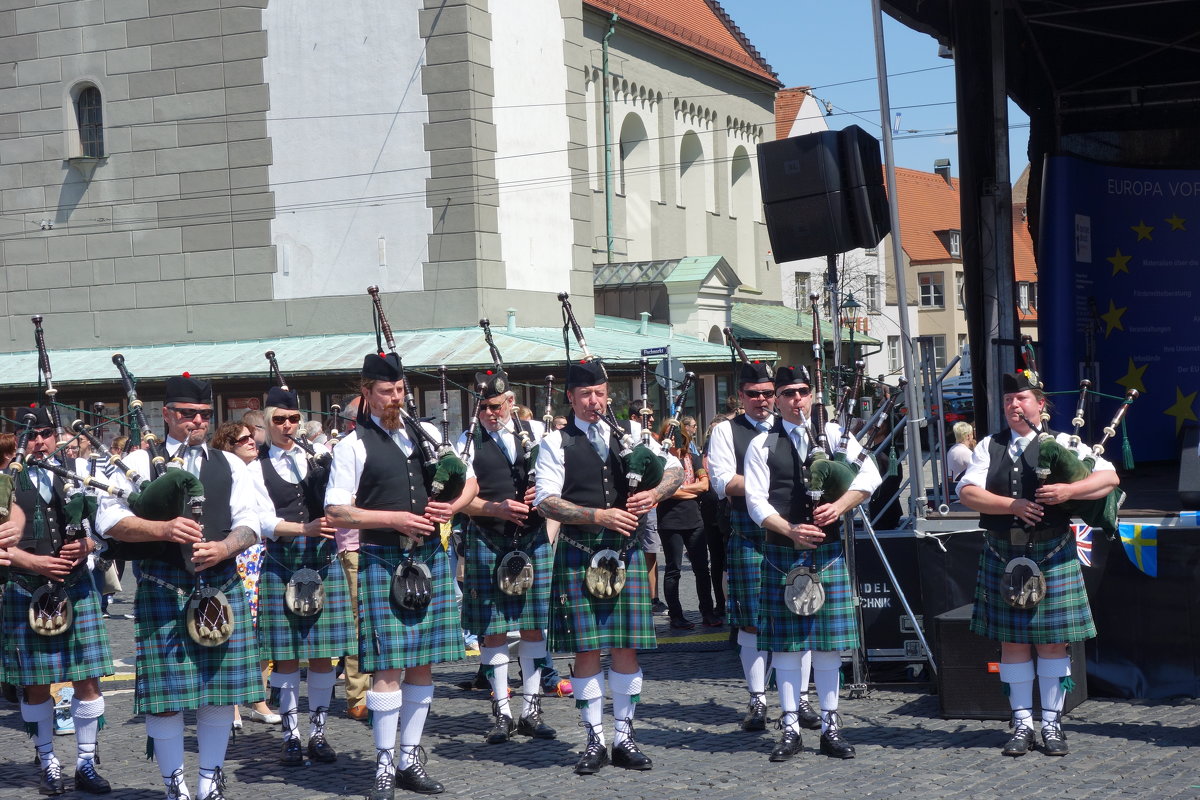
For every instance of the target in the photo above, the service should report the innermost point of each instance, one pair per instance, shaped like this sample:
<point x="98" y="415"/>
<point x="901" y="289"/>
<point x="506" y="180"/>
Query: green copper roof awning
<point x="759" y="322"/>
<point x="618" y="341"/>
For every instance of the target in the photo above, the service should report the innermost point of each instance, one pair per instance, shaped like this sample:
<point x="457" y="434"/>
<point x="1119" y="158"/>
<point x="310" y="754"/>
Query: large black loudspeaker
<point x="968" y="679"/>
<point x="823" y="193"/>
<point x="1189" y="469"/>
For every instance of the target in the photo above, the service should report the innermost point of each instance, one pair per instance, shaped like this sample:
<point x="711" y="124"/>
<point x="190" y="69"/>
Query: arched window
<point x="89" y="118"/>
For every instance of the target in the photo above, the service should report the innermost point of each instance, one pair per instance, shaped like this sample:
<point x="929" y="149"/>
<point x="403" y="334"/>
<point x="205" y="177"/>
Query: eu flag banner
<point x="1119" y="280"/>
<point x="1083" y="543"/>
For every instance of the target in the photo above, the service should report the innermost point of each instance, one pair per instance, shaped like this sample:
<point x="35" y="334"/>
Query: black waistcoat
<point x="294" y="502"/>
<point x="743" y="431"/>
<point x="216" y="475"/>
<point x="1016" y="480"/>
<point x="389" y="481"/>
<point x="30" y="500"/>
<point x="498" y="480"/>
<point x="588" y="481"/>
<point x="788" y="492"/>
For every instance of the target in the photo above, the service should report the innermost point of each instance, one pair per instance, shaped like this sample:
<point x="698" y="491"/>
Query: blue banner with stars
<point x="1119" y="284"/>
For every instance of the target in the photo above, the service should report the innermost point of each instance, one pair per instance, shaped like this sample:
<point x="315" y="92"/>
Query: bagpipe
<point x="677" y="403"/>
<point x="829" y="476"/>
<point x="445" y="471"/>
<point x="644" y="468"/>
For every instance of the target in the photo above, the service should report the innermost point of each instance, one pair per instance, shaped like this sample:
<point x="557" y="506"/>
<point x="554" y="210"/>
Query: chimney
<point x="942" y="167"/>
<point x="512" y="321"/>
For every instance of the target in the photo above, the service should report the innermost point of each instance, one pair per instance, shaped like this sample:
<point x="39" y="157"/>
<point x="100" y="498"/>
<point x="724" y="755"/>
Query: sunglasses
<point x="491" y="406"/>
<point x="247" y="439"/>
<point x="803" y="391"/>
<point x="42" y="433"/>
<point x="755" y="394"/>
<point x="279" y="419"/>
<point x="192" y="413"/>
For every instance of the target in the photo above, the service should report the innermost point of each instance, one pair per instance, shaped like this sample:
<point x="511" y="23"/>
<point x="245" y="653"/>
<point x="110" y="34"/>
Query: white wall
<point x="530" y="77"/>
<point x="346" y="127"/>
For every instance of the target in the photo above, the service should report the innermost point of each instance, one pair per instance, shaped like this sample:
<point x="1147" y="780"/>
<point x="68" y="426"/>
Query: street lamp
<point x="852" y="306"/>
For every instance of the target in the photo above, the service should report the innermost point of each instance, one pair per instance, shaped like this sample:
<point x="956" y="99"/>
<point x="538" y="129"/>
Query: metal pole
<point x="608" y="182"/>
<point x="910" y="392"/>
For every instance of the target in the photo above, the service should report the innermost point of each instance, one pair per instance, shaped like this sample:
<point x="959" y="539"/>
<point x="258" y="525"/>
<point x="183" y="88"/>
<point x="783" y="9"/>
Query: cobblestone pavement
<point x="688" y="723"/>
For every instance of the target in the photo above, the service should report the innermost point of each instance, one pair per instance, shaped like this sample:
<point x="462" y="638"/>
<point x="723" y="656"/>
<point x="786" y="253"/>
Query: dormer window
<point x="954" y="243"/>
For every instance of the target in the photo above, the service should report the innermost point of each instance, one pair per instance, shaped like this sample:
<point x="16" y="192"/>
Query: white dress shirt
<point x="550" y="464"/>
<point x="758" y="474"/>
<point x="282" y="460"/>
<point x="722" y="461"/>
<point x="243" y="497"/>
<point x="981" y="459"/>
<point x="351" y="454"/>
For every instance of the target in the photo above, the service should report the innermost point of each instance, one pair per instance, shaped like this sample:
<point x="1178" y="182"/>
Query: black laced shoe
<point x="385" y="780"/>
<point x="1053" y="740"/>
<point x="218" y="790"/>
<point x="502" y="726"/>
<point x="756" y="714"/>
<point x="87" y="779"/>
<point x="319" y="749"/>
<point x="789" y="745"/>
<point x="627" y="755"/>
<point x="809" y="719"/>
<point x="595" y="755"/>
<point x="51" y="781"/>
<point x="1022" y="740"/>
<point x="175" y="789"/>
<point x="533" y="725"/>
<point x="291" y="754"/>
<point x="832" y="743"/>
<point x="415" y="778"/>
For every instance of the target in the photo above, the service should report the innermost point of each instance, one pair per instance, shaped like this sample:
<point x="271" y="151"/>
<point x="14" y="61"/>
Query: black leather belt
<point x="1019" y="537"/>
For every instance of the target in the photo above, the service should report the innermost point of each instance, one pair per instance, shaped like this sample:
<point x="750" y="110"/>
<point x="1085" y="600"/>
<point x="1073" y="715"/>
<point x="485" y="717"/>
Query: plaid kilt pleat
<point x="487" y="610"/>
<point x="579" y="622"/>
<point x="390" y="637"/>
<point x="78" y="653"/>
<point x="743" y="559"/>
<point x="833" y="627"/>
<point x="1063" y="616"/>
<point x="173" y="672"/>
<point x="283" y="636"/>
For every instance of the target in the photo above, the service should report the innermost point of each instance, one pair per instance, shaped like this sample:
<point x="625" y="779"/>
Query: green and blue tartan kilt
<point x="390" y="637"/>
<point x="743" y="561"/>
<point x="173" y="672"/>
<point x="74" y="655"/>
<point x="283" y="636"/>
<point x="487" y="610"/>
<point x="579" y="622"/>
<point x="1063" y="616"/>
<point x="833" y="627"/>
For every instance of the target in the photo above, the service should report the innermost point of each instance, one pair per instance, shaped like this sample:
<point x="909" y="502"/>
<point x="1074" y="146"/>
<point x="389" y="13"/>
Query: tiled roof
<point x="927" y="204"/>
<point x="699" y="25"/>
<point x="1024" y="262"/>
<point x="787" y="106"/>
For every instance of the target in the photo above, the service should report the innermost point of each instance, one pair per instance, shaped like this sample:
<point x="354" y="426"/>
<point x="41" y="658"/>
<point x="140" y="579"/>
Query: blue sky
<point x="829" y="45"/>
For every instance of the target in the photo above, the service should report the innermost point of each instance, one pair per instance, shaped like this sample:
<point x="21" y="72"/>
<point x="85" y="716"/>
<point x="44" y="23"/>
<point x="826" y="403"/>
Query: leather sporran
<point x="412" y="586"/>
<point x="803" y="593"/>
<point x="305" y="593"/>
<point x="51" y="611"/>
<point x="605" y="577"/>
<point x="209" y="617"/>
<point x="1024" y="584"/>
<point x="514" y="575"/>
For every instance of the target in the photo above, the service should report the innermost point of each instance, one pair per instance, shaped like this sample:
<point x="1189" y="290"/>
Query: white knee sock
<point x="417" y="700"/>
<point x="626" y="691"/>
<point x="86" y="714"/>
<point x="827" y="675"/>
<point x="288" y="684"/>
<point x="589" y="699"/>
<point x="805" y="673"/>
<point x="167" y="734"/>
<point x="787" y="677"/>
<point x="495" y="660"/>
<point x="754" y="662"/>
<point x="530" y="654"/>
<point x="1019" y="677"/>
<point x="212" y="737"/>
<point x="42" y="716"/>
<point x="320" y="691"/>
<point x="1051" y="673"/>
<point x="385" y="715"/>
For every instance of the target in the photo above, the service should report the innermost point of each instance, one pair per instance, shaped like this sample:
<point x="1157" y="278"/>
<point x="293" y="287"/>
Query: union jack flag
<point x="1083" y="543"/>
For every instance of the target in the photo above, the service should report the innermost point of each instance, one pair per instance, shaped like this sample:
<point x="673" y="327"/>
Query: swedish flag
<point x="1141" y="545"/>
